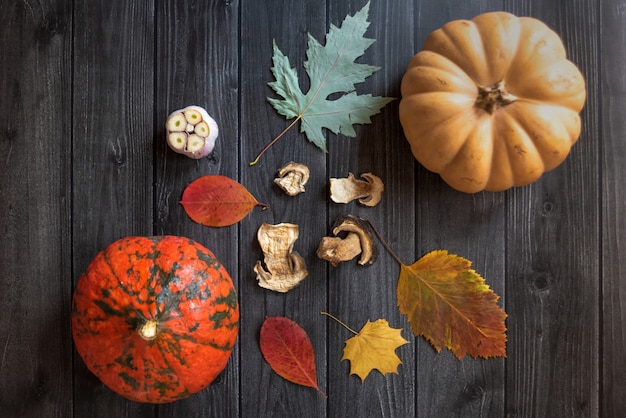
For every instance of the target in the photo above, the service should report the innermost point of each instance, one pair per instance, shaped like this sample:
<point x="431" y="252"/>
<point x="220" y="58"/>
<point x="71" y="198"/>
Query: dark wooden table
<point x="85" y="88"/>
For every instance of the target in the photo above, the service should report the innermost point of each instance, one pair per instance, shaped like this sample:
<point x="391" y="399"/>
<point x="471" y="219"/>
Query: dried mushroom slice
<point x="284" y="269"/>
<point x="368" y="192"/>
<point x="337" y="249"/>
<point x="292" y="178"/>
<point x="357" y="239"/>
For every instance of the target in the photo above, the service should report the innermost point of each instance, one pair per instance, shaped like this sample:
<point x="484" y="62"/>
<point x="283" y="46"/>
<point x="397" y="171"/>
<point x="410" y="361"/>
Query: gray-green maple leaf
<point x="331" y="70"/>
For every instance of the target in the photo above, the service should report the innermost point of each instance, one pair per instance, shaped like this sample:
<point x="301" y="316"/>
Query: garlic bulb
<point x="191" y="132"/>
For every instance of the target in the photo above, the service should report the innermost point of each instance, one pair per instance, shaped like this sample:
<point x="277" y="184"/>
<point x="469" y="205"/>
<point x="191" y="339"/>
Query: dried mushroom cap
<point x="368" y="192"/>
<point x="358" y="240"/>
<point x="284" y="269"/>
<point x="292" y="177"/>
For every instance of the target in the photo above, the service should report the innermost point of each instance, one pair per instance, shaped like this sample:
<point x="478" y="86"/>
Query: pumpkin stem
<point x="491" y="98"/>
<point x="148" y="331"/>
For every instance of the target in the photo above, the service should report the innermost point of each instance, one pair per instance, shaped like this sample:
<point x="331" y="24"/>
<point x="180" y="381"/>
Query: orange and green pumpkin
<point x="155" y="318"/>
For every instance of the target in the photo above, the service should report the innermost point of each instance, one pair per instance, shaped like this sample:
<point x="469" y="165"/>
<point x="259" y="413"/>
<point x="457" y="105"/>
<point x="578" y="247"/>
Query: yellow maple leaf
<point x="373" y="348"/>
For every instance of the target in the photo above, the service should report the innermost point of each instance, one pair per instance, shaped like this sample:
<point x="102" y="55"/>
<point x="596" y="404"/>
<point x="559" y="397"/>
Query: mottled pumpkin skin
<point x="178" y="284"/>
<point x="491" y="103"/>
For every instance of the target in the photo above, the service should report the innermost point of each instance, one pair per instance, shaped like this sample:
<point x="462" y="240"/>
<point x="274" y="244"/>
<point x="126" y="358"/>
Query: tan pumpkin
<point x="491" y="103"/>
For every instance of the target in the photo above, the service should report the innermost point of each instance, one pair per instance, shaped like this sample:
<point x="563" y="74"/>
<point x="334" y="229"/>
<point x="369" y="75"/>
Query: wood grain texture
<point x="472" y="226"/>
<point x="85" y="89"/>
<point x="287" y="24"/>
<point x="112" y="154"/>
<point x="612" y="93"/>
<point x="357" y="293"/>
<point x="550" y="275"/>
<point x="197" y="63"/>
<point x="35" y="202"/>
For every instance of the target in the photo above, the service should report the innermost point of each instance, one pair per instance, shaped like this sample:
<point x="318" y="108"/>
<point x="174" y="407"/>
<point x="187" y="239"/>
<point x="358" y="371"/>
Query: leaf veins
<point x="374" y="347"/>
<point x="452" y="306"/>
<point x="217" y="201"/>
<point x="288" y="350"/>
<point x="331" y="70"/>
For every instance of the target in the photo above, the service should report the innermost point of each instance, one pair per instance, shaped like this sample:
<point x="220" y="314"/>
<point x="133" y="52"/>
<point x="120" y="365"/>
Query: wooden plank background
<point x="85" y="88"/>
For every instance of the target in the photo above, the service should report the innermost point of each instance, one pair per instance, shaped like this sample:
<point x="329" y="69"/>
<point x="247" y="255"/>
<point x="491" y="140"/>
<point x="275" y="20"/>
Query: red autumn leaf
<point x="217" y="201"/>
<point x="288" y="350"/>
<point x="451" y="306"/>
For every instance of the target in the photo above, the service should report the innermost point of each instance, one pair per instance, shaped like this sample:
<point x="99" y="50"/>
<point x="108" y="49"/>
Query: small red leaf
<point x="217" y="201"/>
<point x="288" y="350"/>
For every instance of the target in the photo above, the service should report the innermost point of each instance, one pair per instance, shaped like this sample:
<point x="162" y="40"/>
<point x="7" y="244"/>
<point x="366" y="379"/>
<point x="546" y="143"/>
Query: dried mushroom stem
<point x="358" y="240"/>
<point x="336" y="249"/>
<point x="191" y="132"/>
<point x="284" y="269"/>
<point x="368" y="192"/>
<point x="292" y="178"/>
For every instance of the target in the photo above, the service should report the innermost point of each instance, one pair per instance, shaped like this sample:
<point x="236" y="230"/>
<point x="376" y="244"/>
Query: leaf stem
<point x="380" y="238"/>
<point x="280" y="135"/>
<point x="264" y="206"/>
<point x="344" y="325"/>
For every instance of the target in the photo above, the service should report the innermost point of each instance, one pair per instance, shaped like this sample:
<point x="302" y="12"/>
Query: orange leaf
<point x="217" y="201"/>
<point x="288" y="350"/>
<point x="451" y="306"/>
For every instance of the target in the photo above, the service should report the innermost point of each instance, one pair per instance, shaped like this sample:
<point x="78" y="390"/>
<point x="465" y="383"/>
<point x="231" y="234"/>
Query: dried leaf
<point x="451" y="306"/>
<point x="331" y="70"/>
<point x="288" y="350"/>
<point x="217" y="201"/>
<point x="374" y="348"/>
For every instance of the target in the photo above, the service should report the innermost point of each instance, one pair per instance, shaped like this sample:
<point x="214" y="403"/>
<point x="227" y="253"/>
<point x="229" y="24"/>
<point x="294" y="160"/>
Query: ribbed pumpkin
<point x="491" y="103"/>
<point x="155" y="318"/>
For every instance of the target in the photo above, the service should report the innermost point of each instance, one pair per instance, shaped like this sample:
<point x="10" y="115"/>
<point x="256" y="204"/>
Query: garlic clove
<point x="193" y="116"/>
<point x="177" y="140"/>
<point x="194" y="143"/>
<point x="176" y="123"/>
<point x="202" y="129"/>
